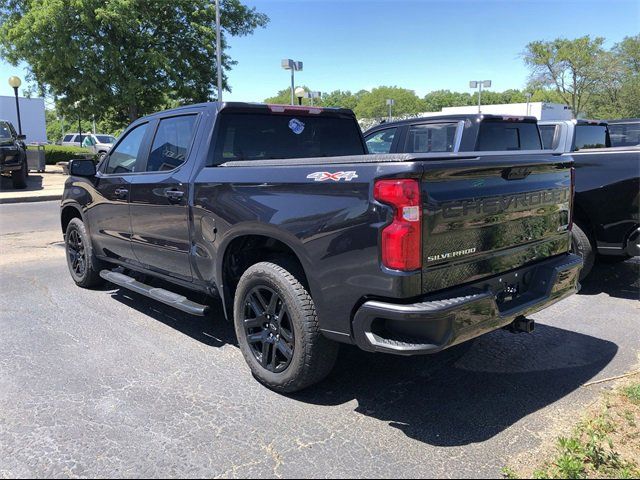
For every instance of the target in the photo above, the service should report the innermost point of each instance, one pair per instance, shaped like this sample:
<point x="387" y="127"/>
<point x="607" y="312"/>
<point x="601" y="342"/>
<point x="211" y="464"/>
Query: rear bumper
<point x="441" y="321"/>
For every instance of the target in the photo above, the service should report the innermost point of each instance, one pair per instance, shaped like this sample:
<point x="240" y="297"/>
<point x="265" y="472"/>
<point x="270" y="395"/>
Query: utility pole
<point x="219" y="50"/>
<point x="479" y="84"/>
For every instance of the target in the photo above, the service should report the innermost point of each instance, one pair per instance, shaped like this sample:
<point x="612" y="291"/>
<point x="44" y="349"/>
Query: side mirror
<point x="21" y="137"/>
<point x="81" y="167"/>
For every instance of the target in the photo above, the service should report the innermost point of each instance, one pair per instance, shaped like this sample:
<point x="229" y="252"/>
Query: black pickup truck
<point x="607" y="196"/>
<point x="310" y="242"/>
<point x="13" y="155"/>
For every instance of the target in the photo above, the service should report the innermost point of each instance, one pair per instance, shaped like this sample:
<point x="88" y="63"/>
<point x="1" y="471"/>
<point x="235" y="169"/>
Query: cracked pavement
<point x="106" y="383"/>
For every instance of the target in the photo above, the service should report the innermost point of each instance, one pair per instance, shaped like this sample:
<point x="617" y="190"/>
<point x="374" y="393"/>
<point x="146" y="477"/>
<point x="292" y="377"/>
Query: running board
<point x="160" y="294"/>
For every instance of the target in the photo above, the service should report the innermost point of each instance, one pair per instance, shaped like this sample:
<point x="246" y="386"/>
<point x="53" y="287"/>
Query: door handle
<point x="173" y="195"/>
<point x="120" y="192"/>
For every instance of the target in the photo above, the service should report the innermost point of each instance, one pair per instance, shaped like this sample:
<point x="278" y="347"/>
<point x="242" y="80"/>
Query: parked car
<point x="455" y="133"/>
<point x="624" y="132"/>
<point x="13" y="156"/>
<point x="607" y="202"/>
<point x="98" y="143"/>
<point x="310" y="242"/>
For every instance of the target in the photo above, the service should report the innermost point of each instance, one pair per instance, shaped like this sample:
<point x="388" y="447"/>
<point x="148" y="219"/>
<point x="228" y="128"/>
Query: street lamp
<point x="294" y="66"/>
<point x="15" y="83"/>
<point x="479" y="84"/>
<point x="300" y="93"/>
<point x="390" y="103"/>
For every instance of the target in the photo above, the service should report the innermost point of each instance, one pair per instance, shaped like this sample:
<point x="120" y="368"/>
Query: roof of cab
<point x="217" y="106"/>
<point x="453" y="118"/>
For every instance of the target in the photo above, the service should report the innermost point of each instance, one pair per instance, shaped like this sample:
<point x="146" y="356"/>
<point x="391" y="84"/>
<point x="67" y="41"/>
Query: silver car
<point x="96" y="142"/>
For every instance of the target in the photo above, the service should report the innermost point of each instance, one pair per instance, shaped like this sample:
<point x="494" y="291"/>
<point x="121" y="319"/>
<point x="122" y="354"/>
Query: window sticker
<point x="296" y="126"/>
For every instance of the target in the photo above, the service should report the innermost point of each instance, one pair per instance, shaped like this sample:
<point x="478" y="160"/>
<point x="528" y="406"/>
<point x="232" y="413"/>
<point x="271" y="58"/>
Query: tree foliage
<point x="373" y="104"/>
<point x="574" y="68"/>
<point x="122" y="57"/>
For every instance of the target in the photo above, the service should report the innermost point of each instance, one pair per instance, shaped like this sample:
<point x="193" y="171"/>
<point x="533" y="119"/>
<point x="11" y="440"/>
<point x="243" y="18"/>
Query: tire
<point x="84" y="267"/>
<point x="581" y="245"/>
<point x="19" y="177"/>
<point x="277" y="328"/>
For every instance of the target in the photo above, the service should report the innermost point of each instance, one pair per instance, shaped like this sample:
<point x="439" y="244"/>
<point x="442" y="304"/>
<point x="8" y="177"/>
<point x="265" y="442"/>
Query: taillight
<point x="402" y="239"/>
<point x="572" y="195"/>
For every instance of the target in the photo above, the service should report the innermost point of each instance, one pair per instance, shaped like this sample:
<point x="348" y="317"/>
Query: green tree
<point x="373" y="104"/>
<point x="438" y="99"/>
<point x="342" y="99"/>
<point x="126" y="57"/>
<point x="574" y="68"/>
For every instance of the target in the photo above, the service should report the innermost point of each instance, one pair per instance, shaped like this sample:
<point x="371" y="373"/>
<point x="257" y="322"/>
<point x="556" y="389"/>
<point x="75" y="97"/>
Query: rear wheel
<point x="277" y="329"/>
<point x="83" y="265"/>
<point x="19" y="177"/>
<point x="581" y="245"/>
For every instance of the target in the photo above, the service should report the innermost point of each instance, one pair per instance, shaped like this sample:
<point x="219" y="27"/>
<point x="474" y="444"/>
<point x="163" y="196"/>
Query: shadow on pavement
<point x="464" y="395"/>
<point x="616" y="279"/>
<point x="34" y="183"/>
<point x="212" y="330"/>
<point x="470" y="393"/>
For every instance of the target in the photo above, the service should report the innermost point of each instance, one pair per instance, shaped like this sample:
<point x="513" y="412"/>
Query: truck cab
<point x="455" y="133"/>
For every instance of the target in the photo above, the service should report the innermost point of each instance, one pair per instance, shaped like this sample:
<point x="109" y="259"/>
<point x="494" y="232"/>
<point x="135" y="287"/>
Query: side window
<point x="67" y="138"/>
<point x="171" y="143"/>
<point x="624" y="134"/>
<point x="503" y="136"/>
<point x="123" y="158"/>
<point x="5" y="131"/>
<point x="437" y="137"/>
<point x="590" y="136"/>
<point x="547" y="132"/>
<point x="381" y="141"/>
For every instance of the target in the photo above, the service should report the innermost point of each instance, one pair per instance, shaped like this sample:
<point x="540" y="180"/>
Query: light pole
<point x="77" y="105"/>
<point x="294" y="66"/>
<point x="313" y="95"/>
<point x="479" y="84"/>
<point x="15" y="83"/>
<point x="300" y="93"/>
<point x="528" y="95"/>
<point x="219" y="50"/>
<point x="390" y="103"/>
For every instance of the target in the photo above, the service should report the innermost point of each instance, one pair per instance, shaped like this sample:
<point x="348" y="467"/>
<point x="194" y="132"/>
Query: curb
<point x="40" y="198"/>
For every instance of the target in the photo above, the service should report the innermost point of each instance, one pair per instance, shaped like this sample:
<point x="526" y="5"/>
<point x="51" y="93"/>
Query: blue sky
<point x="423" y="45"/>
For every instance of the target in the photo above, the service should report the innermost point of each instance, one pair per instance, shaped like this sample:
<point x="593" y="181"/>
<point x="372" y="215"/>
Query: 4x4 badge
<point x="336" y="176"/>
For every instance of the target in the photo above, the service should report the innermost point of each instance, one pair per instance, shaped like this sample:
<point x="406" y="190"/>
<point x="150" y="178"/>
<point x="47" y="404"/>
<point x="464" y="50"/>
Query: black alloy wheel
<point x="268" y="329"/>
<point x="76" y="253"/>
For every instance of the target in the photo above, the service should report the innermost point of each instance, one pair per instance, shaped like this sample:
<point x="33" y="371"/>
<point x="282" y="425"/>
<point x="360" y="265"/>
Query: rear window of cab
<point x="504" y="136"/>
<point x="258" y="136"/>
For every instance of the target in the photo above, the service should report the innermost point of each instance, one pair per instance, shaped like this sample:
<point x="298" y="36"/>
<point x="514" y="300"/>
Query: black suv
<point x="13" y="155"/>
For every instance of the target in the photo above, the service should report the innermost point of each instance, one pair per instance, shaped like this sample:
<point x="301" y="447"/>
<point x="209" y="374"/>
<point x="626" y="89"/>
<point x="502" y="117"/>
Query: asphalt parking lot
<point x="106" y="383"/>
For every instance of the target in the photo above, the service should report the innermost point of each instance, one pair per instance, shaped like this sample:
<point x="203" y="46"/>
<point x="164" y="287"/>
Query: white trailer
<point x="31" y="115"/>
<point x="540" y="110"/>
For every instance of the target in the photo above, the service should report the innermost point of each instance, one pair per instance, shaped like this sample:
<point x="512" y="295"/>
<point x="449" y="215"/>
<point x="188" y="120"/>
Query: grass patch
<point x="605" y="444"/>
<point x="632" y="392"/>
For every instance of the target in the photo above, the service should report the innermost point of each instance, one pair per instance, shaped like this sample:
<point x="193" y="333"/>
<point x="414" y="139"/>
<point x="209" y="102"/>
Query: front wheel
<point x="83" y="265"/>
<point x="277" y="328"/>
<point x="19" y="177"/>
<point x="581" y="245"/>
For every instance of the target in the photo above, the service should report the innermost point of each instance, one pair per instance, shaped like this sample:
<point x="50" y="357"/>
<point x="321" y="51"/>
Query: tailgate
<point x="492" y="213"/>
